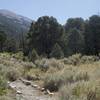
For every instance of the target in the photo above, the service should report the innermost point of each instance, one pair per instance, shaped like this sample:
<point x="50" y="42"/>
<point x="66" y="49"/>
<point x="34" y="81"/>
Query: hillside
<point x="13" y="24"/>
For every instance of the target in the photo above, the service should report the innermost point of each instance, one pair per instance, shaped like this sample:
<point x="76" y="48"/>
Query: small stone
<point x="12" y="86"/>
<point x="35" y="86"/>
<point x="42" y="89"/>
<point x="26" y="82"/>
<point x="50" y="93"/>
<point x="18" y="92"/>
<point x="8" y="82"/>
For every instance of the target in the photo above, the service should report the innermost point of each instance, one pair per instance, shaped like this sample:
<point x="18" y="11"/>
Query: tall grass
<point x="73" y="78"/>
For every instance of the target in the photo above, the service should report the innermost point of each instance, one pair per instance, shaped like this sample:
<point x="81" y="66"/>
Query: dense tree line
<point x="44" y="34"/>
<point x="47" y="37"/>
<point x="10" y="44"/>
<point x="51" y="39"/>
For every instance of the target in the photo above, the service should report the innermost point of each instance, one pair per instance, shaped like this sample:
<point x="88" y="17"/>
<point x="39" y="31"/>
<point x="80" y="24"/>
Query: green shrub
<point x="3" y="85"/>
<point x="57" y="52"/>
<point x="55" y="63"/>
<point x="2" y="70"/>
<point x="18" y="56"/>
<point x="45" y="64"/>
<point x="89" y="59"/>
<point x="77" y="59"/>
<point x="55" y="80"/>
<point x="51" y="82"/>
<point x="73" y="60"/>
<point x="12" y="74"/>
<point x="33" y="74"/>
<point x="42" y="64"/>
<point x="28" y="66"/>
<point x="33" y="55"/>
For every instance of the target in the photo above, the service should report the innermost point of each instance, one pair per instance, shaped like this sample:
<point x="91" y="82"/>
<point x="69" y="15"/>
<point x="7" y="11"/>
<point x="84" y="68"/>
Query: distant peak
<point x="6" y="11"/>
<point x="9" y="13"/>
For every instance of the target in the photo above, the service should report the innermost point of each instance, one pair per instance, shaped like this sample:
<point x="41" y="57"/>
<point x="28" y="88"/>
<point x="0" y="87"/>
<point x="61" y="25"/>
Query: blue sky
<point x="61" y="9"/>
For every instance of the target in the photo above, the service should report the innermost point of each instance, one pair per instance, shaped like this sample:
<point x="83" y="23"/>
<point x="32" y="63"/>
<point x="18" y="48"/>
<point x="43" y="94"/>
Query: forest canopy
<point x="50" y="39"/>
<point x="76" y="36"/>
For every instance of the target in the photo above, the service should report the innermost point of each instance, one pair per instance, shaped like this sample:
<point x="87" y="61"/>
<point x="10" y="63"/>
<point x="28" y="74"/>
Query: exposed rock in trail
<point x="18" y="92"/>
<point x="27" y="92"/>
<point x="26" y="82"/>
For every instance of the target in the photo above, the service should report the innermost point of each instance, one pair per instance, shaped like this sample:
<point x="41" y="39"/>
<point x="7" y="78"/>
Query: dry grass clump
<point x="13" y="66"/>
<point x="10" y="95"/>
<point x="3" y="81"/>
<point x="81" y="76"/>
<point x="29" y="65"/>
<point x="42" y="64"/>
<point x="52" y="82"/>
<point x="45" y="64"/>
<point x="74" y="78"/>
<point x="65" y="76"/>
<point x="89" y="59"/>
<point x="81" y="90"/>
<point x="86" y="85"/>
<point x="78" y="59"/>
<point x="56" y="64"/>
<point x="12" y="74"/>
<point x="34" y="74"/>
<point x="18" y="55"/>
<point x="5" y="55"/>
<point x="73" y="60"/>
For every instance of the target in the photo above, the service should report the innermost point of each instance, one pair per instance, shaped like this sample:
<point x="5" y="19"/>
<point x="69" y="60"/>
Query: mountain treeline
<point x="48" y="38"/>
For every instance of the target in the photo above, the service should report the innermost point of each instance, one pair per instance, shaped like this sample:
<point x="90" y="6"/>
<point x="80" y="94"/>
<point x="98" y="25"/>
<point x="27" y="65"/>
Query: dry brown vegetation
<point x="73" y="78"/>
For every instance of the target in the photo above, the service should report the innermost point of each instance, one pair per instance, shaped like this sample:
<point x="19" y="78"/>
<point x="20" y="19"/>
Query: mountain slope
<point x="12" y="24"/>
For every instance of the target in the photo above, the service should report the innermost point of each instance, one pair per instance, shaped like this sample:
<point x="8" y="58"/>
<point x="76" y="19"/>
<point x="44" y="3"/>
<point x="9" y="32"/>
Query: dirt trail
<point x="27" y="92"/>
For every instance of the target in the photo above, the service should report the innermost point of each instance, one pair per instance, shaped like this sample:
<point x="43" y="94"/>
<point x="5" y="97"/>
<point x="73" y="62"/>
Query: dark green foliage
<point x="74" y="38"/>
<point x="75" y="42"/>
<point x="57" y="52"/>
<point x="44" y="33"/>
<point x="77" y="23"/>
<point x="92" y="35"/>
<point x="47" y="38"/>
<point x="10" y="45"/>
<point x="2" y="39"/>
<point x="29" y="40"/>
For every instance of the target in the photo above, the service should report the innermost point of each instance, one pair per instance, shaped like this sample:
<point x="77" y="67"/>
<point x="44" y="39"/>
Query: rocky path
<point x="28" y="92"/>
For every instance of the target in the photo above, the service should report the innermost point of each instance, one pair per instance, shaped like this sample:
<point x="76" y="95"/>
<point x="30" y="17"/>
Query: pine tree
<point x="75" y="42"/>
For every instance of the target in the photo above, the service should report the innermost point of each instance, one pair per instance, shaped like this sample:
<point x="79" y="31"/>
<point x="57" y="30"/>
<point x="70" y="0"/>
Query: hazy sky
<point x="61" y="9"/>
